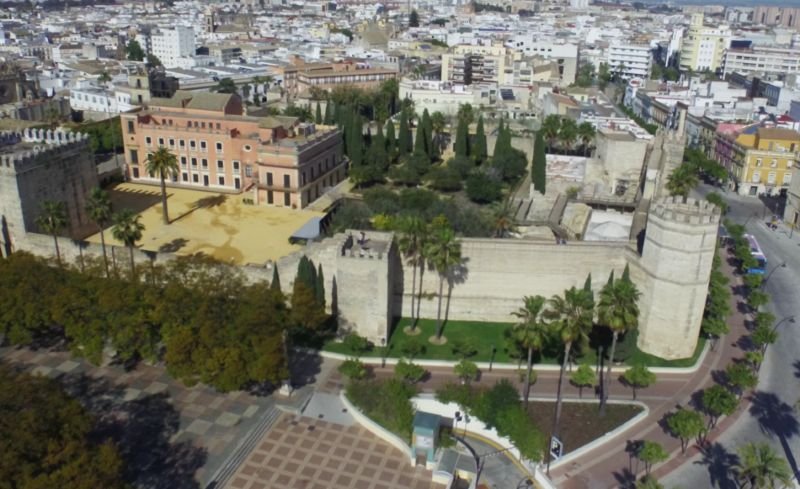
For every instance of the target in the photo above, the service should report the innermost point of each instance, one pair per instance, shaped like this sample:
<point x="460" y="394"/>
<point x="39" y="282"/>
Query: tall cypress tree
<point x="539" y="173"/>
<point x="427" y="127"/>
<point x="318" y="115"/>
<point x="479" y="151"/>
<point x="275" y="284"/>
<point x="462" y="139"/>
<point x="320" y="287"/>
<point x="404" y="143"/>
<point x="328" y="120"/>
<point x="626" y="274"/>
<point x="419" y="141"/>
<point x="391" y="143"/>
<point x="502" y="147"/>
<point x="356" y="140"/>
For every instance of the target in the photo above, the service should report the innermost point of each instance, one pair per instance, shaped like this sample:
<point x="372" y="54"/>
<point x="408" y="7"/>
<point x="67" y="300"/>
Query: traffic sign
<point x="556" y="448"/>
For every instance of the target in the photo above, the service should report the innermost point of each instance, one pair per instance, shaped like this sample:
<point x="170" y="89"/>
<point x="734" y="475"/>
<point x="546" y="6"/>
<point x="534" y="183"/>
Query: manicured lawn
<point x="483" y="336"/>
<point x="580" y="422"/>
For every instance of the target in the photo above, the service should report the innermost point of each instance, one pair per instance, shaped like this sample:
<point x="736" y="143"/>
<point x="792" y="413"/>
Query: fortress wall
<point x="497" y="274"/>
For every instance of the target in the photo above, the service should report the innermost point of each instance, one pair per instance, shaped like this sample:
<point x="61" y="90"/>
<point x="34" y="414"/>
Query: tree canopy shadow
<point x="796" y="366"/>
<point x="776" y="418"/>
<point x="143" y="429"/>
<point x="625" y="478"/>
<point x="721" y="466"/>
<point x="173" y="246"/>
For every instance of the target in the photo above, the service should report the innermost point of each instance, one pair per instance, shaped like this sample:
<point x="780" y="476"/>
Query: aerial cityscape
<point x="497" y="244"/>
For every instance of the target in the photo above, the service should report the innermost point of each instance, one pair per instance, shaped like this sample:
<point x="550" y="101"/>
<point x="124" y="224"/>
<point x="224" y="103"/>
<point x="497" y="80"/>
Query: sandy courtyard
<point x="219" y="225"/>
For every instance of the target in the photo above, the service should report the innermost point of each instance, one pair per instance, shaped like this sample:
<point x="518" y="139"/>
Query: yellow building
<point x="703" y="47"/>
<point x="770" y="156"/>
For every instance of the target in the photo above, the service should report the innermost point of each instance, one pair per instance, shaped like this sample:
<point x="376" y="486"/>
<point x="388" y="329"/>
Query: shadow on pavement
<point x="776" y="418"/>
<point x="721" y="466"/>
<point x="142" y="428"/>
<point x="625" y="479"/>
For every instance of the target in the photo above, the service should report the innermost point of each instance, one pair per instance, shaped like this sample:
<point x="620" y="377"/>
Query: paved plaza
<point x="311" y="453"/>
<point x="171" y="436"/>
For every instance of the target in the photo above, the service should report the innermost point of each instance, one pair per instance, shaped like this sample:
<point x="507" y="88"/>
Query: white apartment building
<point x="761" y="60"/>
<point x="93" y="99"/>
<point x="630" y="60"/>
<point x="446" y="97"/>
<point x="703" y="47"/>
<point x="171" y="45"/>
<point x="564" y="54"/>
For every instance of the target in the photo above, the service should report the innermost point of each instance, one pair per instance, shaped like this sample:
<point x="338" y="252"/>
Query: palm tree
<point x="682" y="180"/>
<point x="438" y="124"/>
<point x="98" y="206"/>
<point x="550" y="128"/>
<point x="443" y="251"/>
<point x="586" y="133"/>
<point x="103" y="78"/>
<point x="762" y="467"/>
<point x="619" y="310"/>
<point x="503" y="220"/>
<point x="128" y="230"/>
<point x="572" y="319"/>
<point x="530" y="332"/>
<point x="162" y="163"/>
<point x="52" y="219"/>
<point x="411" y="241"/>
<point x="568" y="133"/>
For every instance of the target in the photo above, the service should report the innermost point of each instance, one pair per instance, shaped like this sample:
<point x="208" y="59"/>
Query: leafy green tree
<point x="718" y="401"/>
<point x="409" y="372"/>
<point x="99" y="209"/>
<point x="530" y="332"/>
<point x="358" y="345"/>
<point x="651" y="453"/>
<point x="761" y="467"/>
<point x="603" y="75"/>
<point x="464" y="347"/>
<point x="466" y="113"/>
<point x="444" y="179"/>
<point x="571" y="317"/>
<point x="484" y="188"/>
<point x="353" y="369"/>
<point x="618" y="309"/>
<point x="52" y="219"/>
<point x="754" y="358"/>
<point x="466" y="371"/>
<point x="163" y="164"/>
<point x="134" y="51"/>
<point x="639" y="377"/>
<point x="438" y="124"/>
<point x="128" y="230"/>
<point x="511" y="164"/>
<point x="763" y="336"/>
<point x="412" y="348"/>
<point x="539" y="174"/>
<point x="686" y="424"/>
<point x="739" y="377"/>
<point x="47" y="438"/>
<point x="225" y="85"/>
<point x="582" y="377"/>
<point x="757" y="299"/>
<point x="443" y="252"/>
<point x="153" y="60"/>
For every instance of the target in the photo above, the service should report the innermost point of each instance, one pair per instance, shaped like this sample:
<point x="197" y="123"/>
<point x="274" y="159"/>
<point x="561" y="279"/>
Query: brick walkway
<point x="310" y="453"/>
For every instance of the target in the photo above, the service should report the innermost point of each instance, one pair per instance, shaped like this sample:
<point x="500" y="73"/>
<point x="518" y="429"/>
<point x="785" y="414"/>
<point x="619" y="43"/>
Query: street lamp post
<point x="491" y="358"/>
<point x="383" y="352"/>
<point x="787" y="318"/>
<point x="764" y="282"/>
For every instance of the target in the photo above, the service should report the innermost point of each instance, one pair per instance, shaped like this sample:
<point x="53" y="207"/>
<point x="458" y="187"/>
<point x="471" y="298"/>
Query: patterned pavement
<point x="171" y="435"/>
<point x="311" y="453"/>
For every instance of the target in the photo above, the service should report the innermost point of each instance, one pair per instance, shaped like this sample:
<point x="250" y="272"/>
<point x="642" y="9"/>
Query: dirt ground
<point x="219" y="225"/>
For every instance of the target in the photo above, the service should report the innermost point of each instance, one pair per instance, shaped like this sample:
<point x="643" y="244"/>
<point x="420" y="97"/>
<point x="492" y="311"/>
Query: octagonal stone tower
<point x="678" y="251"/>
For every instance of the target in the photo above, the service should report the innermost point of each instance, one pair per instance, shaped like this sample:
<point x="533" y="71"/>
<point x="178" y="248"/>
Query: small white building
<point x="446" y="97"/>
<point x="93" y="99"/>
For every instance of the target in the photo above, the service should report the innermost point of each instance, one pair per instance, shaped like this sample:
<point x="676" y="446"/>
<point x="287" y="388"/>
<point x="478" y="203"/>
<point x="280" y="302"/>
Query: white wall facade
<point x="170" y="45"/>
<point x="636" y="60"/>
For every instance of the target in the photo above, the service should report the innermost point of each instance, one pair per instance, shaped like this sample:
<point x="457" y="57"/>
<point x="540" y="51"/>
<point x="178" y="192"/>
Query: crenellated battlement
<point x="20" y="149"/>
<point x="685" y="210"/>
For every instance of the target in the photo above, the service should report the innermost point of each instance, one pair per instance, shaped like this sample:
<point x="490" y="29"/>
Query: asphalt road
<point x="771" y="417"/>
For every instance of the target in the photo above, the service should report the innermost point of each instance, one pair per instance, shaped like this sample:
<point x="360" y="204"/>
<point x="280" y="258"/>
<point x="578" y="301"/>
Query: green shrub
<point x="353" y="369"/>
<point x="387" y="402"/>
